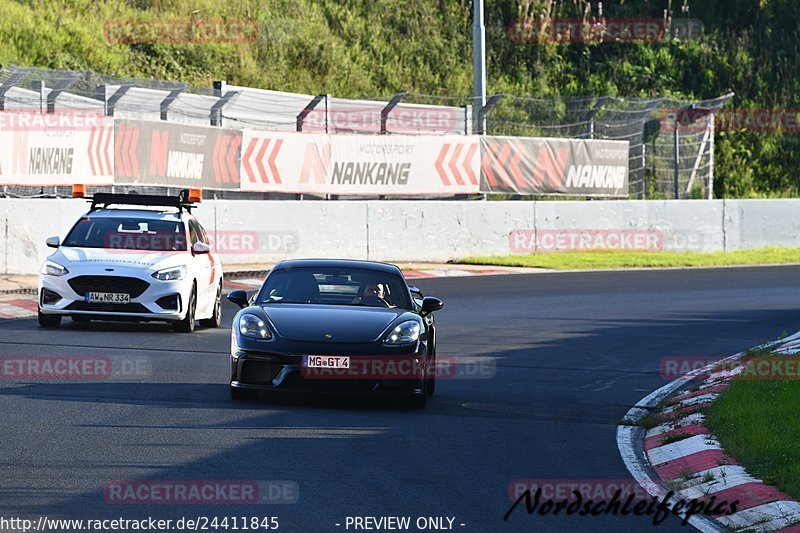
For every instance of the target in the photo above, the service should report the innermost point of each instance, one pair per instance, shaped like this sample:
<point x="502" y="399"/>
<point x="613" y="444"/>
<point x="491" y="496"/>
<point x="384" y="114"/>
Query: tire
<point x="187" y="324"/>
<point x="49" y="321"/>
<point x="242" y="394"/>
<point x="216" y="318"/>
<point x="418" y="402"/>
<point x="430" y="380"/>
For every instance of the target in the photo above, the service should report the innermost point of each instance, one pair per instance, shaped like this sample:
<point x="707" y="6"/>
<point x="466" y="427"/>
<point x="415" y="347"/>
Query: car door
<point x="204" y="270"/>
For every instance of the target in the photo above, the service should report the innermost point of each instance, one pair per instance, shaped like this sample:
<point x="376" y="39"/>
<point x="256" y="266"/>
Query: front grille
<point x="133" y="286"/>
<point x="108" y="308"/>
<point x="259" y="372"/>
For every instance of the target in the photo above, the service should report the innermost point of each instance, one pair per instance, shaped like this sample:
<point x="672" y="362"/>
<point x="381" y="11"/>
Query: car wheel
<point x="187" y="324"/>
<point x="216" y="318"/>
<point x="418" y="402"/>
<point x="430" y="380"/>
<point x="49" y="321"/>
<point x="242" y="394"/>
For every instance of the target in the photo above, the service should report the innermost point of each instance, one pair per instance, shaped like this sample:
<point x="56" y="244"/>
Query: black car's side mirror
<point x="431" y="304"/>
<point x="239" y="297"/>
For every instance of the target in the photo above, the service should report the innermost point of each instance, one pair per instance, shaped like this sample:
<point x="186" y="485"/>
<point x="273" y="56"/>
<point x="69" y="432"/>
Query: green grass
<point x="756" y="422"/>
<point x="614" y="259"/>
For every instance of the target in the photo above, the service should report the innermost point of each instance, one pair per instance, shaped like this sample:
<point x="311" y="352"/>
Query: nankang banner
<point x="554" y="166"/>
<point x="359" y="164"/>
<point x="56" y="149"/>
<point x="176" y="155"/>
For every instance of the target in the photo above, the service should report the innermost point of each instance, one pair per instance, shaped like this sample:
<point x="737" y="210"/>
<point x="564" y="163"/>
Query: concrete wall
<point x="252" y="232"/>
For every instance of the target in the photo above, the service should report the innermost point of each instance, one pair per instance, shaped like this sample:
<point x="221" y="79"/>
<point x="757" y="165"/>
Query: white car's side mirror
<point x="200" y="248"/>
<point x="53" y="242"/>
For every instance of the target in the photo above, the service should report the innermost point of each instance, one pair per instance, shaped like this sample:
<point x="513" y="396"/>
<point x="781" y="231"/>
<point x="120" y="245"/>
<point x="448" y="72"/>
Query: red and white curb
<point x="695" y="466"/>
<point x="18" y="308"/>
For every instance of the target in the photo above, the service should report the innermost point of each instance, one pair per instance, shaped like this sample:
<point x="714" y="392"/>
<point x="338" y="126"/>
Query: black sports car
<point x="334" y="326"/>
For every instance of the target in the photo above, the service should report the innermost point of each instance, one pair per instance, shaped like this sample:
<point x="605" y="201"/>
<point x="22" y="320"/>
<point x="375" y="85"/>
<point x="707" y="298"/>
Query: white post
<point x="478" y="64"/>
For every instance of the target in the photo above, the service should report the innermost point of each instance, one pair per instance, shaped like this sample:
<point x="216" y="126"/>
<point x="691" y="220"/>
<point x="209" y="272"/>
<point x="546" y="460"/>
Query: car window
<point x="127" y="233"/>
<point x="194" y="232"/>
<point x="336" y="286"/>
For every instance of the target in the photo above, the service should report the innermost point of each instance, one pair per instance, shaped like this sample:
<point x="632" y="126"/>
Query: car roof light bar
<point x="180" y="202"/>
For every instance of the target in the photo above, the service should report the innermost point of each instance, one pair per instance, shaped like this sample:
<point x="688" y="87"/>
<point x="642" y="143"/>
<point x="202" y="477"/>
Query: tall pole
<point x="478" y="64"/>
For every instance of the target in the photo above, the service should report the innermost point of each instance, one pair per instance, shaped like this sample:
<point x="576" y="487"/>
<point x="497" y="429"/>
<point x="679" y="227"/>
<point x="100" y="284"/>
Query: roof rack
<point x="104" y="199"/>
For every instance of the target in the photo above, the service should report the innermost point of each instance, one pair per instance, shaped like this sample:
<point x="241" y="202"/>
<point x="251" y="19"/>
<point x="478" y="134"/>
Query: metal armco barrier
<point x="97" y="150"/>
<point x="554" y="166"/>
<point x="176" y="155"/>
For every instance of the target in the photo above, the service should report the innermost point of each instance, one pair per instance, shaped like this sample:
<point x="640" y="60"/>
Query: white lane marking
<point x="768" y="517"/>
<point x="682" y="448"/>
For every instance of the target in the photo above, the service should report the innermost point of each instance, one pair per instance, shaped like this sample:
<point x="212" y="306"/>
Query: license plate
<point x="326" y="361"/>
<point x="108" y="298"/>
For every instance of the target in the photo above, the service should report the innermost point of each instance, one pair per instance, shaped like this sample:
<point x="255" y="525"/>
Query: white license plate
<point x="108" y="298"/>
<point x="326" y="361"/>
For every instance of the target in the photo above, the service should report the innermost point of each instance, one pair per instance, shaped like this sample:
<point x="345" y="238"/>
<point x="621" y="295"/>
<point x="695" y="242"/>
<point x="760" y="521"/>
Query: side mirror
<point x="53" y="242"/>
<point x="200" y="248"/>
<point x="431" y="304"/>
<point x="239" y="297"/>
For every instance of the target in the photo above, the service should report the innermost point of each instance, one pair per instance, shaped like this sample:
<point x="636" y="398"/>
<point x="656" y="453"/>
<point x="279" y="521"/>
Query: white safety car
<point x="145" y="259"/>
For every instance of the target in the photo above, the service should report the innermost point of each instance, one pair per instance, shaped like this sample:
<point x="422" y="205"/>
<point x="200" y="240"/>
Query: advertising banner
<point x="554" y="166"/>
<point x="359" y="164"/>
<point x="176" y="155"/>
<point x="56" y="149"/>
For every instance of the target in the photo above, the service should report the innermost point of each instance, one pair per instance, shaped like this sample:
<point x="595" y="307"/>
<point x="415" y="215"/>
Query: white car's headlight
<point x="405" y="333"/>
<point x="53" y="269"/>
<point x="253" y="327"/>
<point x="171" y="274"/>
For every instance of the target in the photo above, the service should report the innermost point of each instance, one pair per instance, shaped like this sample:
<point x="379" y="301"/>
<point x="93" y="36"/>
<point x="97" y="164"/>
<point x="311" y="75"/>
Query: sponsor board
<point x="358" y="164"/>
<point x="56" y="149"/>
<point x="176" y="155"/>
<point x="554" y="166"/>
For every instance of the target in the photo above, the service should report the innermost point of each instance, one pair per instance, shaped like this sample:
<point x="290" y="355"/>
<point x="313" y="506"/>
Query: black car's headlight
<point x="51" y="268"/>
<point x="405" y="333"/>
<point x="253" y="327"/>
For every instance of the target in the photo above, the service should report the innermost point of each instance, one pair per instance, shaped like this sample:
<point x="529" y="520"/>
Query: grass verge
<point x="756" y="422"/>
<point x="607" y="259"/>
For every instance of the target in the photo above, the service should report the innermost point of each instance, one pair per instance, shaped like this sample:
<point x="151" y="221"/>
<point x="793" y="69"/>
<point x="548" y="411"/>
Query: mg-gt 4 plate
<point x="108" y="298"/>
<point x="326" y="361"/>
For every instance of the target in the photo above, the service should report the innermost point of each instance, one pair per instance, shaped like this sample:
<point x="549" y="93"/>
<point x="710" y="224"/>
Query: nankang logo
<point x="50" y="160"/>
<point x="596" y="176"/>
<point x="185" y="165"/>
<point x="371" y="173"/>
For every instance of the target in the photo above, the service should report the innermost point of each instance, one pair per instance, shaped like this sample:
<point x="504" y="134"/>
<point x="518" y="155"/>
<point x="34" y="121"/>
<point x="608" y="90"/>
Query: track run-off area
<point x="569" y="354"/>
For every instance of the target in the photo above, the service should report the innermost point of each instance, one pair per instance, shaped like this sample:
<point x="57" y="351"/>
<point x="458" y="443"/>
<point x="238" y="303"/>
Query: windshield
<point x="335" y="286"/>
<point x="127" y="233"/>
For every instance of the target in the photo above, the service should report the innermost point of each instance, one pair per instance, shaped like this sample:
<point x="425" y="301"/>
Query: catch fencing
<point x="670" y="152"/>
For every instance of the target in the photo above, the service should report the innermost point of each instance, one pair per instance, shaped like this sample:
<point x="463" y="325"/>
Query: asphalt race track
<point x="573" y="353"/>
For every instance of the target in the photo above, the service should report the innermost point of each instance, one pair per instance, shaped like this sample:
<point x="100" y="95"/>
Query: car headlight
<point x="171" y="274"/>
<point x="53" y="269"/>
<point x="253" y="327"/>
<point x="405" y="333"/>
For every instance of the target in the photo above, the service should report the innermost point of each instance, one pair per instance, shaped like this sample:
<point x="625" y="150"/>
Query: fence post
<point x="165" y="103"/>
<point x="388" y="109"/>
<point x="301" y="117"/>
<point x="39" y="87"/>
<point x="485" y="111"/>
<point x="677" y="160"/>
